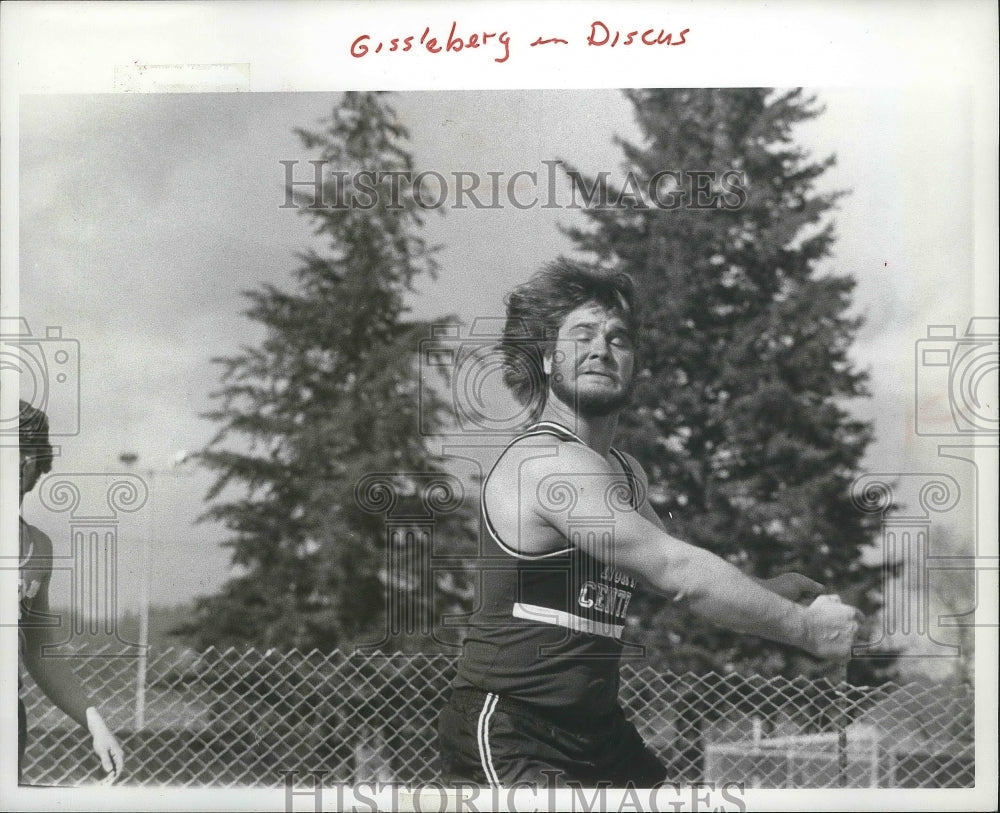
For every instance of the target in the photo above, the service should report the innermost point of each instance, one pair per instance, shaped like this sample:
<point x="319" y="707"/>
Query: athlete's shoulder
<point x="548" y="453"/>
<point x="538" y="454"/>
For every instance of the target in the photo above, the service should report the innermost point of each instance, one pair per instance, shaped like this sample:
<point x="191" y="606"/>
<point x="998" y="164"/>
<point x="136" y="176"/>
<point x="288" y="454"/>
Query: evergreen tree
<point x="740" y="411"/>
<point x="327" y="402"/>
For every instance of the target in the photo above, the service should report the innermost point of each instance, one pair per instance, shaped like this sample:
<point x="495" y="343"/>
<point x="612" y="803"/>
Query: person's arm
<point x="713" y="589"/>
<point x="793" y="586"/>
<point x="55" y="678"/>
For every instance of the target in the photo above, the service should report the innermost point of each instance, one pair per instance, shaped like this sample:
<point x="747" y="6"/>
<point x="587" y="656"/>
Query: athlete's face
<point x="593" y="362"/>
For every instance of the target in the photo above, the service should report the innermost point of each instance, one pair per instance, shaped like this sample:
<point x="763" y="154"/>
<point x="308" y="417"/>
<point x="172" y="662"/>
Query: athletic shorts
<point x="490" y="740"/>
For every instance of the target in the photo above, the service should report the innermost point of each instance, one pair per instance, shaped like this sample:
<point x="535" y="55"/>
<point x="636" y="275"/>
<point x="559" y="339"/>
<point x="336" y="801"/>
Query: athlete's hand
<point x="795" y="587"/>
<point x="105" y="746"/>
<point x="832" y="628"/>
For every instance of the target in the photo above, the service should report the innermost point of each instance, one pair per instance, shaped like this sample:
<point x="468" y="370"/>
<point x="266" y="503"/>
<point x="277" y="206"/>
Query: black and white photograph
<point x="565" y="406"/>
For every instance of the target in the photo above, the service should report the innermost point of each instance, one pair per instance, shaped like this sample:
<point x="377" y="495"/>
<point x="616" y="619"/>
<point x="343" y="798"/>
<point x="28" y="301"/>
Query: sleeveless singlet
<point x="549" y="626"/>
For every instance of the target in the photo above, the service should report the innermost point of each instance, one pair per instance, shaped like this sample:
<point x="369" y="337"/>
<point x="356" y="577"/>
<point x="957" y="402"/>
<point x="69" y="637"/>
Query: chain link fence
<point x="244" y="718"/>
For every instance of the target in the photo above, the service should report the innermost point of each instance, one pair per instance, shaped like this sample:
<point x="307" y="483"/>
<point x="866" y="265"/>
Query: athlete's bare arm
<point x="793" y="586"/>
<point x="563" y="498"/>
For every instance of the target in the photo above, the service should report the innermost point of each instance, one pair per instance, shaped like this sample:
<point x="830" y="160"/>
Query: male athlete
<point x="535" y="698"/>
<point x="35" y="624"/>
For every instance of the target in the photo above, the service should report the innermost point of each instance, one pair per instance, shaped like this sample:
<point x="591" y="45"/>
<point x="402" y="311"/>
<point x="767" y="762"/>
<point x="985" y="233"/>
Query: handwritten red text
<point x="453" y="43"/>
<point x="601" y="34"/>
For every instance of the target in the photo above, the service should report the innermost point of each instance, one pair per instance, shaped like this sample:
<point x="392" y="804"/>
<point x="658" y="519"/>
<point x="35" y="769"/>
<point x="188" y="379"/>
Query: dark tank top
<point x="548" y="630"/>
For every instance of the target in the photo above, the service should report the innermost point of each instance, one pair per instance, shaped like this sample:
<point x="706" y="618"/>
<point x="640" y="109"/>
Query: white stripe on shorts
<point x="483" y="739"/>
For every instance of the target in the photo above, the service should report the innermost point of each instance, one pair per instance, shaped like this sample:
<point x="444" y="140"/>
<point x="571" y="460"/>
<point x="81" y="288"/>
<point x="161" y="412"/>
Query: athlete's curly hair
<point x="536" y="310"/>
<point x="34" y="435"/>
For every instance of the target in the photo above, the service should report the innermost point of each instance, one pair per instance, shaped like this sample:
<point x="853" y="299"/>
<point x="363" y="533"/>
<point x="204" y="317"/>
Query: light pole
<point x="129" y="459"/>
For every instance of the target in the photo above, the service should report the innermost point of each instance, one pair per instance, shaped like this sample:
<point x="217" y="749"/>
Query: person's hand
<point x="105" y="746"/>
<point x="833" y="627"/>
<point x="794" y="586"/>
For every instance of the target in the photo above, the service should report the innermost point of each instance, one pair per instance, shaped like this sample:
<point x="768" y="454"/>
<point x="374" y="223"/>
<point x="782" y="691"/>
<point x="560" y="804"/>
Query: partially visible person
<point x="38" y="628"/>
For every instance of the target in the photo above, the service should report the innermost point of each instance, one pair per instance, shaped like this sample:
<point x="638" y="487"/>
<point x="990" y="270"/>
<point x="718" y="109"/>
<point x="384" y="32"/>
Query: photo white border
<point x="71" y="47"/>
